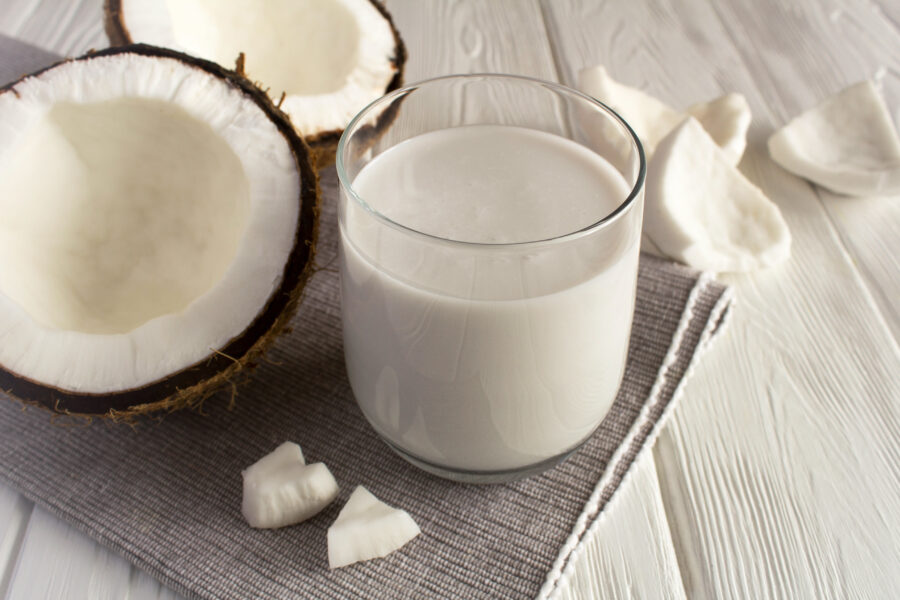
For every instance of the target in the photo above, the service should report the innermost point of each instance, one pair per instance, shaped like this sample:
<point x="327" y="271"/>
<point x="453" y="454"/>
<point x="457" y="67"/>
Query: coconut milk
<point x="496" y="354"/>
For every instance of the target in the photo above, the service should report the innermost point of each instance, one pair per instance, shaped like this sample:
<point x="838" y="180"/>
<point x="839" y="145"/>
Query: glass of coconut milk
<point x="490" y="228"/>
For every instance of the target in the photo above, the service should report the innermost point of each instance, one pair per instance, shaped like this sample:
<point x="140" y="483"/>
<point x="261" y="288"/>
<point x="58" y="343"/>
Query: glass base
<point x="483" y="477"/>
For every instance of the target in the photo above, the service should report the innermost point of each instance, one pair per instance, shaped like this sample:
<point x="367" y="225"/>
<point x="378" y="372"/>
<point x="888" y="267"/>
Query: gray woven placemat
<point x="167" y="494"/>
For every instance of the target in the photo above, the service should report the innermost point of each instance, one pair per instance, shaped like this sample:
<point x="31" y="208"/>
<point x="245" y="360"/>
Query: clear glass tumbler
<point x="490" y="230"/>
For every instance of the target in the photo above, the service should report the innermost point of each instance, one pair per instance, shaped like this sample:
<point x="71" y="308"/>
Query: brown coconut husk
<point x="323" y="144"/>
<point x="225" y="367"/>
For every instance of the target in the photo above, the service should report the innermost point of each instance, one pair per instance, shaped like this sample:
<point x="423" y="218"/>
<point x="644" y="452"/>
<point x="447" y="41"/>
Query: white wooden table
<point x="779" y="473"/>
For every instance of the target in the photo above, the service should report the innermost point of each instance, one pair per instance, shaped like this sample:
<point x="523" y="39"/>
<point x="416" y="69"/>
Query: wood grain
<point x="453" y="37"/>
<point x="450" y="36"/>
<point x="631" y="555"/>
<point x="58" y="562"/>
<point x="781" y="471"/>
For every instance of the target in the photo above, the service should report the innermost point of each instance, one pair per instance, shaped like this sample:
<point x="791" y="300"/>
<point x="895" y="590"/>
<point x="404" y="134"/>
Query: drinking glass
<point x="485" y="361"/>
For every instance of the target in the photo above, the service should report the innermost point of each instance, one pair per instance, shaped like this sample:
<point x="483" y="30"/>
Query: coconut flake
<point x="367" y="528"/>
<point x="701" y="210"/>
<point x="280" y="489"/>
<point x="650" y="118"/>
<point x="284" y="455"/>
<point x="847" y="144"/>
<point x="726" y="118"/>
<point x="330" y="57"/>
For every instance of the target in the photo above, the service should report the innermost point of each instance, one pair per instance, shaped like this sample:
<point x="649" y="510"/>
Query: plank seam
<point x="551" y="42"/>
<point x="11" y="546"/>
<point x="860" y="272"/>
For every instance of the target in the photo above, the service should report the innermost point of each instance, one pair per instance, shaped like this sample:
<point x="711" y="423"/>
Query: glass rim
<point x="607" y="220"/>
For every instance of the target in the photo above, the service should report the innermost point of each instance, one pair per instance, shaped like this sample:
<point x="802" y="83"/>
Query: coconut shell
<point x="324" y="144"/>
<point x="226" y="366"/>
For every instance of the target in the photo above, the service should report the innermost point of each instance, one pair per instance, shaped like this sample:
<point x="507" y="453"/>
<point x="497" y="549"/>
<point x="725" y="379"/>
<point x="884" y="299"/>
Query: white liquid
<point x="490" y="358"/>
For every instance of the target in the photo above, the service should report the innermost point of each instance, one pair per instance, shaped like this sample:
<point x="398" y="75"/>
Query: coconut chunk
<point x="847" y="144"/>
<point x="280" y="489"/>
<point x="650" y="118"/>
<point x="701" y="210"/>
<point x="367" y="528"/>
<point x="285" y="455"/>
<point x="726" y="118"/>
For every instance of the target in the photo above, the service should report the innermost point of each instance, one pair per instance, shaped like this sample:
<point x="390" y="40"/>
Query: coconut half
<point x="159" y="223"/>
<point x="330" y="58"/>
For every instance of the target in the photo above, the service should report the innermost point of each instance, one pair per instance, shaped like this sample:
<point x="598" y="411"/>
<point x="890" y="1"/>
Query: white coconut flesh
<point x="726" y="118"/>
<point x="329" y="57"/>
<point x="149" y="210"/>
<point x="280" y="489"/>
<point x="847" y="144"/>
<point x="367" y="528"/>
<point x="701" y="210"/>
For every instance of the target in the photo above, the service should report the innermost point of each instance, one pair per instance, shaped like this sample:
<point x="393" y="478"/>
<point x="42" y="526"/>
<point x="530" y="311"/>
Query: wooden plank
<point x="15" y="511"/>
<point x="69" y="28"/>
<point x="780" y="471"/>
<point x="792" y="487"/>
<point x="58" y="562"/>
<point x="448" y="36"/>
<point x="631" y="555"/>
<point x="869" y="228"/>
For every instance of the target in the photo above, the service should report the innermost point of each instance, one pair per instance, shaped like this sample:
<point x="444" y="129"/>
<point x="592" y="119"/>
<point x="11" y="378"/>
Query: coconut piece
<point x="285" y="455"/>
<point x="367" y="528"/>
<point x="726" y="118"/>
<point x="701" y="210"/>
<point x="847" y="144"/>
<point x="280" y="491"/>
<point x="650" y="118"/>
<point x="160" y="220"/>
<point x="328" y="58"/>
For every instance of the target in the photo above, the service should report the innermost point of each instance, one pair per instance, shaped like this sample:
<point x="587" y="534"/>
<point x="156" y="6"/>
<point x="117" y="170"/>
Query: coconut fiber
<point x="166" y="494"/>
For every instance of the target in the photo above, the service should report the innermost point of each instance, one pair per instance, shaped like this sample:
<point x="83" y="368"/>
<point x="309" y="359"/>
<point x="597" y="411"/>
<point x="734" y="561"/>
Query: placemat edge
<point x="591" y="516"/>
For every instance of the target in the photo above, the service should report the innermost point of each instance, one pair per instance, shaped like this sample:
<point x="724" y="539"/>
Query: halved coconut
<point x="159" y="217"/>
<point x="330" y="58"/>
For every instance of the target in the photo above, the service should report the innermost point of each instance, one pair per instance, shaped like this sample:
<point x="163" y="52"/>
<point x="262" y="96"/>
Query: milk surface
<point x="499" y="353"/>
